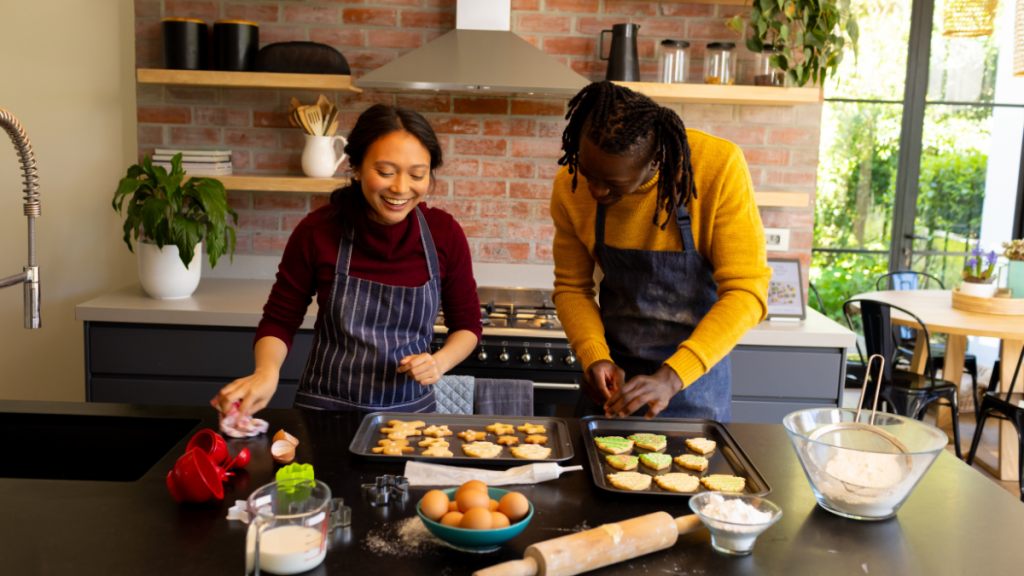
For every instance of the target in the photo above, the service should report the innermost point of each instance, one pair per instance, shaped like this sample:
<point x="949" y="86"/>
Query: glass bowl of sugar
<point x="862" y="475"/>
<point x="735" y="520"/>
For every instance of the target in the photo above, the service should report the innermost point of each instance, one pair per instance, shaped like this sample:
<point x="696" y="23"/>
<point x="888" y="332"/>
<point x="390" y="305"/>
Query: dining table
<point x="935" y="309"/>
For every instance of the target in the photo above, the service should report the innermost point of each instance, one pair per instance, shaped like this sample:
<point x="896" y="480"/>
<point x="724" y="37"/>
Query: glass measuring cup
<point x="288" y="527"/>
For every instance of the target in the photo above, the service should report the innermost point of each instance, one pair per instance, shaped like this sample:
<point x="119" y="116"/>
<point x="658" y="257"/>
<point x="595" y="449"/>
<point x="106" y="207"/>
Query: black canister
<point x="235" y="43"/>
<point x="623" y="61"/>
<point x="184" y="44"/>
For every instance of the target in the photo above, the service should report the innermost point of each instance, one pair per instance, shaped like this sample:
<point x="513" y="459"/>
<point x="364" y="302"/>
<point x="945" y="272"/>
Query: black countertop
<point x="955" y="522"/>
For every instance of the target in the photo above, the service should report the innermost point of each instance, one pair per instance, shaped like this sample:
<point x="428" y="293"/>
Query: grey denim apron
<point x="368" y="328"/>
<point x="651" y="302"/>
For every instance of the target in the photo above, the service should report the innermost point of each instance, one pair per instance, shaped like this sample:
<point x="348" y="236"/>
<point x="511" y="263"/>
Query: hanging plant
<point x="811" y="35"/>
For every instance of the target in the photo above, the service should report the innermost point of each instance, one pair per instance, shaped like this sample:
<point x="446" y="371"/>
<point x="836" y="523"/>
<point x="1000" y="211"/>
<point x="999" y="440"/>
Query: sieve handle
<point x="864" y="387"/>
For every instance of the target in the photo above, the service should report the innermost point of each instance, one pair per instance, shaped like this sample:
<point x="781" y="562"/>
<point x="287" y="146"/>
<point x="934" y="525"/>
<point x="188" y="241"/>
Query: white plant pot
<point x="979" y="290"/>
<point x="163" y="275"/>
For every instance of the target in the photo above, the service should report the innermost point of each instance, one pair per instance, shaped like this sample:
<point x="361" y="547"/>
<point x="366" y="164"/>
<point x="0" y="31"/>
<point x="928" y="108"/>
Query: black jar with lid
<point x="184" y="44"/>
<point x="235" y="44"/>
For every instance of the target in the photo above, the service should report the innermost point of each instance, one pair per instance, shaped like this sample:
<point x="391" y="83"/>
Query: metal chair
<point x="1005" y="408"/>
<point x="821" y="303"/>
<point x="907" y="393"/>
<point x="914" y="280"/>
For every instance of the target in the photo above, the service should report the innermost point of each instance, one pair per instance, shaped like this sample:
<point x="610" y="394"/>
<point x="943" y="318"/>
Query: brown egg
<point x="282" y="435"/>
<point x="476" y="519"/>
<point x="434" y="505"/>
<point x="472" y="499"/>
<point x="452" y="519"/>
<point x="499" y="520"/>
<point x="453" y="506"/>
<point x="475" y="484"/>
<point x="514" y="505"/>
<point x="493" y="505"/>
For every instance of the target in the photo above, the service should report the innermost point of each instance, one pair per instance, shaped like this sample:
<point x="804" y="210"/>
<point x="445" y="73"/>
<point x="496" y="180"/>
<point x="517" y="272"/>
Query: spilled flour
<point x="405" y="538"/>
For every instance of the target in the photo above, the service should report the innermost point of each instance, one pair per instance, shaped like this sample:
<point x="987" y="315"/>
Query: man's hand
<point x="599" y="378"/>
<point x="655" y="391"/>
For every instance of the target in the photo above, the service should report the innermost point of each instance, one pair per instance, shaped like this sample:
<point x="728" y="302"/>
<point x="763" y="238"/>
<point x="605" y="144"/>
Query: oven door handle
<point x="555" y="386"/>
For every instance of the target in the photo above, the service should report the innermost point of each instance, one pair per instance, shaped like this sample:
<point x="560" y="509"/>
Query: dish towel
<point x="504" y="397"/>
<point x="454" y="394"/>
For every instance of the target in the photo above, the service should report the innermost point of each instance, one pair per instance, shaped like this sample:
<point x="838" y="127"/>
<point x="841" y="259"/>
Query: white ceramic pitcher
<point x="319" y="160"/>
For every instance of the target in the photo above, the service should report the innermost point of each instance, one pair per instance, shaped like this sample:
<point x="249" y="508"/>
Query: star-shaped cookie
<point x="536" y="439"/>
<point x="532" y="428"/>
<point x="508" y="440"/>
<point x="437" y="431"/>
<point x="500" y="429"/>
<point x="434" y="442"/>
<point x="471" y="435"/>
<point x="439" y="449"/>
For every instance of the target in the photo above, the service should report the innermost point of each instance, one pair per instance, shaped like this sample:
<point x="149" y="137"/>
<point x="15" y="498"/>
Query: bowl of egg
<point x="474" y="516"/>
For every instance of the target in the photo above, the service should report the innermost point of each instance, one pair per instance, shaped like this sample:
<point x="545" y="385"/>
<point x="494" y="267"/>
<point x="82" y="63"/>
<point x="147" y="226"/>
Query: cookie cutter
<point x="386" y="489"/>
<point x="341" y="515"/>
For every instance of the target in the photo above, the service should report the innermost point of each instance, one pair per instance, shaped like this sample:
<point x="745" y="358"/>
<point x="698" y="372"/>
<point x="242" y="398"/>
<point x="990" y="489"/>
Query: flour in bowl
<point x="867" y="469"/>
<point x="736" y="511"/>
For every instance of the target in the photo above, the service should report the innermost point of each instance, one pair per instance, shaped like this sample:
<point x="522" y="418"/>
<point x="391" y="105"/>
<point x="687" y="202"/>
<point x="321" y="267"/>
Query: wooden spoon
<point x="305" y="121"/>
<point x="333" y="128"/>
<point x="325" y="106"/>
<point x="315" y="120"/>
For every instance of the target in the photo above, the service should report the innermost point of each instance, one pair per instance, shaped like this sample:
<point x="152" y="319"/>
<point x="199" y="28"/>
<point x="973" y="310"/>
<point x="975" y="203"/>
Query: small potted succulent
<point x="1014" y="251"/>
<point x="977" y="274"/>
<point x="168" y="219"/>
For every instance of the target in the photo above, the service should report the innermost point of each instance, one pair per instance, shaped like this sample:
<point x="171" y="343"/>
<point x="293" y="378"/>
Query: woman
<point x="379" y="264"/>
<point x="678" y="292"/>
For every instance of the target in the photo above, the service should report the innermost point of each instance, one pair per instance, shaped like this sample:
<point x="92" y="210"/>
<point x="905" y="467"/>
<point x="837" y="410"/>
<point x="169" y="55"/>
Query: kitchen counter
<point x="239" y="303"/>
<point x="956" y="521"/>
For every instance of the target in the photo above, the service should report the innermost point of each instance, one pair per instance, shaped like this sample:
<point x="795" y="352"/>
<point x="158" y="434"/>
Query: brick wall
<point x="500" y="152"/>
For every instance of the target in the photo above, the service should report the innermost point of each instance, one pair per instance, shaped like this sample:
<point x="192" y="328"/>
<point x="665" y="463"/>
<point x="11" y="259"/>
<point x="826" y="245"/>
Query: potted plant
<point x="977" y="274"/>
<point x="809" y="34"/>
<point x="168" y="218"/>
<point x="1014" y="251"/>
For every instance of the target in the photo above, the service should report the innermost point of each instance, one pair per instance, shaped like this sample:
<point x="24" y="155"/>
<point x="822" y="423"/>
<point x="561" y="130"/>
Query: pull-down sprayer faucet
<point x="30" y="276"/>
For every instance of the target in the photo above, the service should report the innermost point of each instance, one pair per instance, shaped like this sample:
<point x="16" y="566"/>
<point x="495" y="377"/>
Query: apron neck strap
<point x="682" y="220"/>
<point x="348" y="238"/>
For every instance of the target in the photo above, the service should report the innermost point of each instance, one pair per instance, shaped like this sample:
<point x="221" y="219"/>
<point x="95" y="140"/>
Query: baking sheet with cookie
<point x="369" y="435"/>
<point x="727" y="458"/>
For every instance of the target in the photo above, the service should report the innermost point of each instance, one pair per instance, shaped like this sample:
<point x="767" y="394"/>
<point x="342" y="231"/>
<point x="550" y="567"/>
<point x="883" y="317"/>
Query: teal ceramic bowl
<point x="475" y="540"/>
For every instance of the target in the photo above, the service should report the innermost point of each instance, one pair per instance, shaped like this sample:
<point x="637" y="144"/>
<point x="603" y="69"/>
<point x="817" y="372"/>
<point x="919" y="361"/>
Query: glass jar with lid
<point x="720" y="63"/>
<point x="764" y="73"/>
<point x="674" y="64"/>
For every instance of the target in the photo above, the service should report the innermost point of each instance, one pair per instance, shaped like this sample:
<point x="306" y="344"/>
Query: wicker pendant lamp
<point x="1018" y="41"/>
<point x="969" y="18"/>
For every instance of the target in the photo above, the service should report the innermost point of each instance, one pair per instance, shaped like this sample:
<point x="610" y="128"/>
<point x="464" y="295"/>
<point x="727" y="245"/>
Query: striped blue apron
<point x="367" y="329"/>
<point x="652" y="301"/>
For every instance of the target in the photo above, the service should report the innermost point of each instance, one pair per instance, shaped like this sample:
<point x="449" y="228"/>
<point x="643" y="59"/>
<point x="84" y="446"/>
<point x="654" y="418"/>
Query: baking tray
<point x="369" y="434"/>
<point x="728" y="457"/>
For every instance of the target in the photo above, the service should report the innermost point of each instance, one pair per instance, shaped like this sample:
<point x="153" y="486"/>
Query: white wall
<point x="66" y="72"/>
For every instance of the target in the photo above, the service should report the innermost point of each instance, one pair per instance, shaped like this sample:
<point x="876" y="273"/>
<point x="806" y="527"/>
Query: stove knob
<point x="570" y="359"/>
<point x="482" y="355"/>
<point x="526" y="356"/>
<point x="548" y="358"/>
<point x="503" y="356"/>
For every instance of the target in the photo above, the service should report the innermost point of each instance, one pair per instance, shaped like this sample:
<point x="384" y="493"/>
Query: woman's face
<point x="395" y="176"/>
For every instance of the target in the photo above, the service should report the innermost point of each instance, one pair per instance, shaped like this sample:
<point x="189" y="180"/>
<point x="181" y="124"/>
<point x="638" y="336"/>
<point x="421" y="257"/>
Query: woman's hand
<point x="601" y="377"/>
<point x="655" y="390"/>
<point x="254" y="392"/>
<point x="423" y="368"/>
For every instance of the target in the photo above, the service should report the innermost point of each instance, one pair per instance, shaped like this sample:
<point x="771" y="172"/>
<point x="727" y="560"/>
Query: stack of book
<point x="196" y="162"/>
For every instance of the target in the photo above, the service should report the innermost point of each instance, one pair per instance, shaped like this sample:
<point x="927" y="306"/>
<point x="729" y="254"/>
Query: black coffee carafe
<point x="623" y="60"/>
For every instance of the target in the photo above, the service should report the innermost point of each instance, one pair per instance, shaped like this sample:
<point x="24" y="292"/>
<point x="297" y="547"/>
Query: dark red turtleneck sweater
<point x="390" y="255"/>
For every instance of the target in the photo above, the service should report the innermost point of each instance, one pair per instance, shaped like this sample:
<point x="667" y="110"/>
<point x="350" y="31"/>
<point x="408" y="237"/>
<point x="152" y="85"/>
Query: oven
<point x="523" y="340"/>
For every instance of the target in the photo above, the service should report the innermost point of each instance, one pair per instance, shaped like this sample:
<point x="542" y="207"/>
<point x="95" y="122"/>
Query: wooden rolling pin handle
<point x="687" y="524"/>
<point x="524" y="567"/>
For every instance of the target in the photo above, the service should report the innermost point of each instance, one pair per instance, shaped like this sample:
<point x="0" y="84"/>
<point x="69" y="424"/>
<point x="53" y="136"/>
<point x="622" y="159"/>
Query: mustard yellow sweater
<point x="726" y="228"/>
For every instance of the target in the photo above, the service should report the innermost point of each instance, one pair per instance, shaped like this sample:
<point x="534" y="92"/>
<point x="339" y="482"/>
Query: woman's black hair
<point x="378" y="121"/>
<point x="626" y="123"/>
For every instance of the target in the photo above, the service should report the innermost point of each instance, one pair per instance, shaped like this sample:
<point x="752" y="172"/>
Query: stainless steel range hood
<point x="480" y="61"/>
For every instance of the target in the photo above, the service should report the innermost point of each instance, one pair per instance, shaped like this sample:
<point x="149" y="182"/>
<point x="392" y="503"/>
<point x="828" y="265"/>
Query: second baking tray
<point x="368" y="435"/>
<point x="728" y="457"/>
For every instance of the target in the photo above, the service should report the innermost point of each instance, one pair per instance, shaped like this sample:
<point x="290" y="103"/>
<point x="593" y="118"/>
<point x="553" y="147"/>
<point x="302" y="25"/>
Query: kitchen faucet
<point x="30" y="276"/>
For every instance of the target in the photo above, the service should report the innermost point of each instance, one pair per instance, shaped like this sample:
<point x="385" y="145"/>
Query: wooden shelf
<point x="326" y="82"/>
<point x="717" y="94"/>
<point x="299" y="184"/>
<point x="782" y="199"/>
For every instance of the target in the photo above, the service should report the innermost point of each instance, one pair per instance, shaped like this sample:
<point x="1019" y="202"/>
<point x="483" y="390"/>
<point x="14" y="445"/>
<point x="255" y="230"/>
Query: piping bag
<point x="420" y="474"/>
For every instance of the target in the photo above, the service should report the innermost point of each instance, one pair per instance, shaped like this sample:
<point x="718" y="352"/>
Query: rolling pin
<point x="602" y="546"/>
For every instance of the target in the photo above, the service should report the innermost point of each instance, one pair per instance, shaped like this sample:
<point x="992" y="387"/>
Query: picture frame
<point x="786" y="290"/>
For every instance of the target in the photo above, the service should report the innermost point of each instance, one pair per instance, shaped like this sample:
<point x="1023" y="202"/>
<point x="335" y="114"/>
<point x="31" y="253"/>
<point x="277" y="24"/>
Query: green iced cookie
<point x="649" y="441"/>
<point x="656" y="460"/>
<point x="622" y="462"/>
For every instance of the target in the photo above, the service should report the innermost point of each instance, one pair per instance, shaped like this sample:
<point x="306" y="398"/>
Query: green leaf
<point x="784" y="32"/>
<point x="735" y="24"/>
<point x="755" y="45"/>
<point x="781" y="3"/>
<point x="783" y="64"/>
<point x="154" y="210"/>
<point x="789" y="10"/>
<point x="755" y="14"/>
<point x="186" y="234"/>
<point x="124" y="187"/>
<point x="176" y="165"/>
<point x="147" y="168"/>
<point x="767" y="6"/>
<point x="853" y="30"/>
<point x="792" y="77"/>
<point x="762" y="27"/>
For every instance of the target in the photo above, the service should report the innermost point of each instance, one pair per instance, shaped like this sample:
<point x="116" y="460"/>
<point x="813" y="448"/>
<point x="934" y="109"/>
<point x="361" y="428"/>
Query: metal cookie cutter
<point x="388" y="488"/>
<point x="341" y="515"/>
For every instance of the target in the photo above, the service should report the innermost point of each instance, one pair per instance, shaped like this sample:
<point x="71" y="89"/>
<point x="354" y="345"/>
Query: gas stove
<point x="523" y="340"/>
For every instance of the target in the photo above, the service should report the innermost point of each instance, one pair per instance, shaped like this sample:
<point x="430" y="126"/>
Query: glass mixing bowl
<point x="858" y="474"/>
